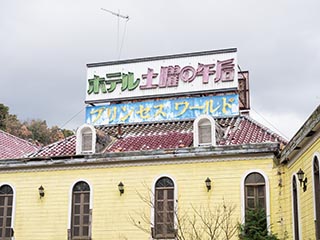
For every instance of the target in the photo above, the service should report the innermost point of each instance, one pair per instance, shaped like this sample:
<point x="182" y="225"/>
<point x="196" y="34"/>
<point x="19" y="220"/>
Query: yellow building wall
<point x="48" y="217"/>
<point x="306" y="199"/>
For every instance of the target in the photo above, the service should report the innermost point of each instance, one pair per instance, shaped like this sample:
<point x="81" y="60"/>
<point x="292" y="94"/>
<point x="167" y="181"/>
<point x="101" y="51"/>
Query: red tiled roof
<point x="151" y="136"/>
<point x="166" y="135"/>
<point x="64" y="147"/>
<point x="14" y="147"/>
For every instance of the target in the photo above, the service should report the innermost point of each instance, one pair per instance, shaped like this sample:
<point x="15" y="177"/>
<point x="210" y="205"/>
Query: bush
<point x="255" y="226"/>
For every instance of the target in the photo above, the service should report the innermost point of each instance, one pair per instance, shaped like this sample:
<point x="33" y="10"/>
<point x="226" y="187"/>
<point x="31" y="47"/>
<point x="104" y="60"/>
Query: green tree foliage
<point x="4" y="112"/>
<point x="35" y="130"/>
<point x="255" y="226"/>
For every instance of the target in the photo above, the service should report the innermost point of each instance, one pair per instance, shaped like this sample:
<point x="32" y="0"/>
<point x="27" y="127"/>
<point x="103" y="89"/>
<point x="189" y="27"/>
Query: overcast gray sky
<point x="46" y="44"/>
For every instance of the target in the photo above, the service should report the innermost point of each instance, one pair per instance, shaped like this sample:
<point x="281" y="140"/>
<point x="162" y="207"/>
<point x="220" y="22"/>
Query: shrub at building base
<point x="255" y="226"/>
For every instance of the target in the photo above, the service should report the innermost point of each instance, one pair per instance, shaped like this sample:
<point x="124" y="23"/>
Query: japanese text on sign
<point x="179" y="109"/>
<point x="169" y="77"/>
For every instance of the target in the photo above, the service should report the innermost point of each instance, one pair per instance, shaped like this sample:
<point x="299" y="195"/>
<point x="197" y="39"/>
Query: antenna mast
<point x="119" y="49"/>
<point x="116" y="14"/>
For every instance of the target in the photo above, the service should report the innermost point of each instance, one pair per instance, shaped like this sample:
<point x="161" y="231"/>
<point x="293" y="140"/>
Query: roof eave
<point x="143" y="156"/>
<point x="301" y="138"/>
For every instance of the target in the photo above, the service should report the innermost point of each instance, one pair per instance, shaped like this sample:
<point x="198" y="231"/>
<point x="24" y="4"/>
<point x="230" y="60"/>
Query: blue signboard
<point x="163" y="110"/>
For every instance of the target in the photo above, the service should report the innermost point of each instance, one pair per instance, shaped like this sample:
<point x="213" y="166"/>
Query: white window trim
<point x="153" y="199"/>
<point x="313" y="187"/>
<point x="294" y="175"/>
<point x="79" y="139"/>
<point x="196" y="131"/>
<point x="13" y="214"/>
<point x="243" y="206"/>
<point x="70" y="198"/>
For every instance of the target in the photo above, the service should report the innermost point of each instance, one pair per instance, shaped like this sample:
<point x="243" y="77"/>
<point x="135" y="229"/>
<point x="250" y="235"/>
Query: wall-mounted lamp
<point x="121" y="188"/>
<point x="208" y="183"/>
<point x="41" y="191"/>
<point x="304" y="181"/>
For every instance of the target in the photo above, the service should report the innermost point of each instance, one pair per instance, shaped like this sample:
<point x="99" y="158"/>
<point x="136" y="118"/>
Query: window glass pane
<point x="261" y="203"/>
<point x="85" y="231"/>
<point x="81" y="186"/>
<point x="170" y="217"/>
<point x="170" y="193"/>
<point x="170" y="206"/>
<point x="86" y="198"/>
<point x="86" y="208"/>
<point x="6" y="189"/>
<point x="8" y="232"/>
<point x="250" y="202"/>
<point x="159" y="218"/>
<point x="76" y="231"/>
<point x="164" y="182"/>
<point x="10" y="198"/>
<point x="261" y="191"/>
<point x="254" y="178"/>
<point x="1" y="211"/>
<point x="1" y="201"/>
<point x="250" y="191"/>
<point x="76" y="220"/>
<point x="1" y="221"/>
<point x="9" y="211"/>
<point x="86" y="219"/>
<point x="8" y="222"/>
<point x="159" y="206"/>
<point x="170" y="228"/>
<point x="77" y="209"/>
<point x="160" y="194"/>
<point x="77" y="198"/>
<point x="159" y="228"/>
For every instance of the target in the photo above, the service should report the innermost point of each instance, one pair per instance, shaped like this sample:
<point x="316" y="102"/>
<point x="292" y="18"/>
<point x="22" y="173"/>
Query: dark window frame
<point x="316" y="182"/>
<point x="253" y="191"/>
<point x="6" y="212"/>
<point x="81" y="212"/>
<point x="295" y="209"/>
<point x="164" y="209"/>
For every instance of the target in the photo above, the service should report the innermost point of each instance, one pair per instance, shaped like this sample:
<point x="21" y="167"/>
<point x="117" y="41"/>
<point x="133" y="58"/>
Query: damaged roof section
<point x="165" y="135"/>
<point x="14" y="147"/>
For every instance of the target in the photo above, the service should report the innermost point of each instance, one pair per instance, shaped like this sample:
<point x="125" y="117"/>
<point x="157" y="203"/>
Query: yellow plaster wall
<point x="306" y="200"/>
<point x="47" y="218"/>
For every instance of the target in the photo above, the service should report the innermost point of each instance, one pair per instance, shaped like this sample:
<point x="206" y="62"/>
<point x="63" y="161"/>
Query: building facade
<point x="167" y="147"/>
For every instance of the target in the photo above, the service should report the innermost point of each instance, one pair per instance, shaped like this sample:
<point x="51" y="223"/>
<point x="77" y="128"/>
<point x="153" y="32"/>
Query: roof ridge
<point x="268" y="130"/>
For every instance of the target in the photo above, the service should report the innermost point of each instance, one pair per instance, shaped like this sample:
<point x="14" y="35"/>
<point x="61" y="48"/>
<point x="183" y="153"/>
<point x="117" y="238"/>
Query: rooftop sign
<point x="172" y="75"/>
<point x="162" y="110"/>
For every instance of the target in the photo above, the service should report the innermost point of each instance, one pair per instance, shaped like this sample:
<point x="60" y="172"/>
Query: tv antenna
<point x="118" y="15"/>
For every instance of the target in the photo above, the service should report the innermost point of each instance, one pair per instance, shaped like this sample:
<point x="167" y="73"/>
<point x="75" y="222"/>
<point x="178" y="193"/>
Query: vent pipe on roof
<point x="119" y="135"/>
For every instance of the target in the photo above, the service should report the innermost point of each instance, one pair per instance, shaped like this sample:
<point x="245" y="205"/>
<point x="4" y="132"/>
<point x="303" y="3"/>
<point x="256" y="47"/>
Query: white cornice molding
<point x="120" y="164"/>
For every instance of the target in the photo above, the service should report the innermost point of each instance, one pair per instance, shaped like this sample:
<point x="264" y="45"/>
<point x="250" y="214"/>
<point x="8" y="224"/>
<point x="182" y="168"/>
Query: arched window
<point x="6" y="202"/>
<point x="255" y="191"/>
<point x="316" y="184"/>
<point x="204" y="131"/>
<point x="86" y="139"/>
<point x="295" y="209"/>
<point x="80" y="216"/>
<point x="164" y="209"/>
